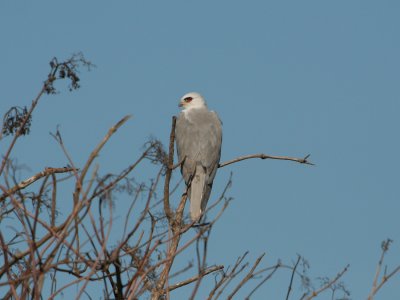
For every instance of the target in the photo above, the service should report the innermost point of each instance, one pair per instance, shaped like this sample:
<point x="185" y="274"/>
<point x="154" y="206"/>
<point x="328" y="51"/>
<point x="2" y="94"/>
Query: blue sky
<point x="286" y="77"/>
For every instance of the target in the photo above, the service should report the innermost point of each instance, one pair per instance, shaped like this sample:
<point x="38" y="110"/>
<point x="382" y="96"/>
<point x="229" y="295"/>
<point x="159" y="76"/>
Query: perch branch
<point x="303" y="160"/>
<point x="168" y="172"/>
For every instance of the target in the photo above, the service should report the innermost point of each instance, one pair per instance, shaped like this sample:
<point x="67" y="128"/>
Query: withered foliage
<point x="68" y="69"/>
<point x="16" y="119"/>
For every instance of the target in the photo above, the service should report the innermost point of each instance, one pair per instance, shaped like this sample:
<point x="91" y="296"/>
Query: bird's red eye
<point x="188" y="99"/>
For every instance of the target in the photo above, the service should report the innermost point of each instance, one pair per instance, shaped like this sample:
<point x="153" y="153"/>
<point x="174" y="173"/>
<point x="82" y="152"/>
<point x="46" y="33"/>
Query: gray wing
<point x="198" y="140"/>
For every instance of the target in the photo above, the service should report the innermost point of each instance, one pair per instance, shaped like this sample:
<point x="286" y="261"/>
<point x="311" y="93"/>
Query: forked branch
<point x="327" y="285"/>
<point x="377" y="285"/>
<point x="194" y="278"/>
<point x="23" y="184"/>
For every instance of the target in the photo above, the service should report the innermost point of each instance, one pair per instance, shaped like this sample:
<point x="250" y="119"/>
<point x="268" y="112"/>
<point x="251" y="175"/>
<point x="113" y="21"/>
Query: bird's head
<point x="192" y="100"/>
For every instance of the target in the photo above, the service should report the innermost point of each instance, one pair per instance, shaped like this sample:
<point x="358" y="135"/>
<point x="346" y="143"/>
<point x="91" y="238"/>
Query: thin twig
<point x="385" y="248"/>
<point x="274" y="269"/>
<point x="328" y="284"/>
<point x="266" y="156"/>
<point x="292" y="276"/>
<point x="201" y="263"/>
<point x="96" y="151"/>
<point x="53" y="201"/>
<point x="247" y="277"/>
<point x="385" y="278"/>
<point x="194" y="278"/>
<point x="21" y="128"/>
<point x="375" y="285"/>
<point x="228" y="277"/>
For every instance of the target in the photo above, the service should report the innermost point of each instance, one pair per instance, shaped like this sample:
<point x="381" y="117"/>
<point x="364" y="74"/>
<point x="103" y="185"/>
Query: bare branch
<point x="30" y="180"/>
<point x="328" y="284"/>
<point x="274" y="269"/>
<point x="292" y="276"/>
<point x="249" y="275"/>
<point x="21" y="128"/>
<point x="168" y="172"/>
<point x="195" y="278"/>
<point x="375" y="286"/>
<point x="138" y="260"/>
<point x="265" y="156"/>
<point x="228" y="276"/>
<point x="96" y="151"/>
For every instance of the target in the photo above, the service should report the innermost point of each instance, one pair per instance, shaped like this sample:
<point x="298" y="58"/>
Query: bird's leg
<point x="197" y="225"/>
<point x="178" y="164"/>
<point x="189" y="183"/>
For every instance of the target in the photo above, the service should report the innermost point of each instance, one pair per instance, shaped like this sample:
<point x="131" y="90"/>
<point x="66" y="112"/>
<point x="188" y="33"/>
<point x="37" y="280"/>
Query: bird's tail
<point x="197" y="193"/>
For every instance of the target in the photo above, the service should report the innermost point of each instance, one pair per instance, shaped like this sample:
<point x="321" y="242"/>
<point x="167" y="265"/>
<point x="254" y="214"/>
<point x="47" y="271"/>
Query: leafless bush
<point x="43" y="252"/>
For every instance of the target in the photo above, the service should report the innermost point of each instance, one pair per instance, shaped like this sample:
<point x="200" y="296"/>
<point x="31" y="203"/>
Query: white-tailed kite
<point x="198" y="136"/>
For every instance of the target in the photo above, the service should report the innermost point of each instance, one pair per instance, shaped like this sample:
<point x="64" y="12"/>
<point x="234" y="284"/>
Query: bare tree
<point x="44" y="252"/>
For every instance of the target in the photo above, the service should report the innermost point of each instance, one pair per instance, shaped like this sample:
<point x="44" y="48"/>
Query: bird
<point x="198" y="135"/>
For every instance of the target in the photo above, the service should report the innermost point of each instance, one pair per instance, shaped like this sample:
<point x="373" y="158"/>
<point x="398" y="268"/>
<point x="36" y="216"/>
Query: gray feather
<point x="197" y="192"/>
<point x="199" y="138"/>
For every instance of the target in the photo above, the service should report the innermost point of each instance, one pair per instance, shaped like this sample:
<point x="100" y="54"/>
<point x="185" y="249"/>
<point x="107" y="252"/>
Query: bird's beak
<point x="180" y="104"/>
